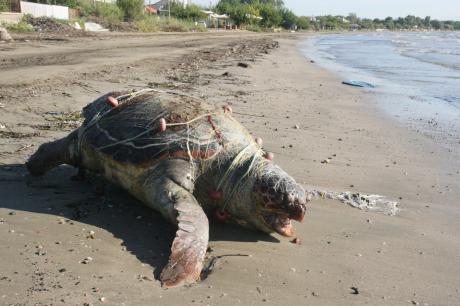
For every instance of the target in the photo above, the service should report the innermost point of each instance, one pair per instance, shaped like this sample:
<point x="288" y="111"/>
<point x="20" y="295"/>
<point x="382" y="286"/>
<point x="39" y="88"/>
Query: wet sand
<point x="347" y="256"/>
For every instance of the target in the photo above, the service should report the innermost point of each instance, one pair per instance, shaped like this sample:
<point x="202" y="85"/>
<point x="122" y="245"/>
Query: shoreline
<point x="409" y="258"/>
<point x="416" y="108"/>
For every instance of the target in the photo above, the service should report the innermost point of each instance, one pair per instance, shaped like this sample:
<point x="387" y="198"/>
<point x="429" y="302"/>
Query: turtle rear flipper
<point x="53" y="154"/>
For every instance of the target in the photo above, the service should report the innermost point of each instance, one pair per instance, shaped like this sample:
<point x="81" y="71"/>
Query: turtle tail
<point x="52" y="154"/>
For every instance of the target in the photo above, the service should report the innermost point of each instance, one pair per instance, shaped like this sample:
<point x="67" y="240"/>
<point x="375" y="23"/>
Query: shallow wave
<point x="417" y="75"/>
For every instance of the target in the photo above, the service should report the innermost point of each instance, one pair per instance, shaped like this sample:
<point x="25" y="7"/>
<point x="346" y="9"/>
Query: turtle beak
<point x="297" y="212"/>
<point x="296" y="206"/>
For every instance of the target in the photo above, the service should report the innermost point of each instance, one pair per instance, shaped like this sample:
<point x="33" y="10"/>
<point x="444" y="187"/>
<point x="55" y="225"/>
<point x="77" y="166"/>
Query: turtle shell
<point x="131" y="132"/>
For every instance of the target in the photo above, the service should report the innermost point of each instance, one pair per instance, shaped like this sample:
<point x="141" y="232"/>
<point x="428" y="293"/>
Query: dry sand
<point x="347" y="256"/>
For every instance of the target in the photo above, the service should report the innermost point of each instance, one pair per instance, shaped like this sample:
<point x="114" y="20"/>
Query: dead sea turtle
<point x="185" y="159"/>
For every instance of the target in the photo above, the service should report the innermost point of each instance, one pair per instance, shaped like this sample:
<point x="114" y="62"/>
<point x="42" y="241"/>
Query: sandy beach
<point x="304" y="115"/>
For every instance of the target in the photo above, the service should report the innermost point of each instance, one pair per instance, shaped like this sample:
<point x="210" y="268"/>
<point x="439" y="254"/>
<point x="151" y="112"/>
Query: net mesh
<point x="367" y="202"/>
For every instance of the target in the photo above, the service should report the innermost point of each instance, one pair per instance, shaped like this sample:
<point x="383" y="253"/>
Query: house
<point x="163" y="5"/>
<point x="107" y="1"/>
<point x="150" y="9"/>
<point x="215" y="20"/>
<point x="354" y="27"/>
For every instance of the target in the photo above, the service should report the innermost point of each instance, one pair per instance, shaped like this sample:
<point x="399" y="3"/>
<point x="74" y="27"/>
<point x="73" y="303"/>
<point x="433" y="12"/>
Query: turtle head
<point x="278" y="200"/>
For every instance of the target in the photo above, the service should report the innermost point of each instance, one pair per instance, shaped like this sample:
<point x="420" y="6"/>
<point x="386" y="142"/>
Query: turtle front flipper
<point x="169" y="186"/>
<point x="189" y="247"/>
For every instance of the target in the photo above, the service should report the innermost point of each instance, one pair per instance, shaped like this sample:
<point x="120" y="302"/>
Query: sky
<point x="439" y="9"/>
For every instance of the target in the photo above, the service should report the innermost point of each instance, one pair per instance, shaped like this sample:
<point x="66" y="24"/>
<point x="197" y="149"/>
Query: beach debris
<point x="358" y="83"/>
<point x="4" y="35"/>
<point x="94" y="27"/>
<point x="243" y="65"/>
<point x="326" y="161"/>
<point x="354" y="290"/>
<point x="296" y="240"/>
<point x="296" y="127"/>
<point x="91" y="235"/>
<point x="87" y="260"/>
<point x="367" y="202"/>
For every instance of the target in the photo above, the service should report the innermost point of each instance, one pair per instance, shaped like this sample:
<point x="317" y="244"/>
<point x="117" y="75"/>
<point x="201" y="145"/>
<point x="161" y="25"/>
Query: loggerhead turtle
<point x="183" y="158"/>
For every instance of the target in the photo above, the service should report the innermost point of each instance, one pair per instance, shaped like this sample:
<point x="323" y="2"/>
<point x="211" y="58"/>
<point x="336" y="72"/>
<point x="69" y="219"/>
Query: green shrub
<point x="148" y="24"/>
<point x="254" y="28"/>
<point x="189" y="12"/>
<point x="20" y="27"/>
<point x="132" y="9"/>
<point x="86" y="8"/>
<point x="68" y="3"/>
<point x="5" y="6"/>
<point x="108" y="11"/>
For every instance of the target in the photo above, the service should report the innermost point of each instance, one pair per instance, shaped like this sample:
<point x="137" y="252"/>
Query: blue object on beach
<point x="358" y="83"/>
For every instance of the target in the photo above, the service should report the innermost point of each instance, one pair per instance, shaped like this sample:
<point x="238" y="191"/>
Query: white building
<point x="186" y="2"/>
<point x="163" y="4"/>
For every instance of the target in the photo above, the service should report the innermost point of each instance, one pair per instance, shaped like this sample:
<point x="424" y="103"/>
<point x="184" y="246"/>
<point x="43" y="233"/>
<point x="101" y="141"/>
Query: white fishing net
<point x="367" y="202"/>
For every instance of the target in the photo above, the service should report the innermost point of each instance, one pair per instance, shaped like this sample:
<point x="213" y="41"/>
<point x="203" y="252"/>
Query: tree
<point x="353" y="18"/>
<point x="330" y="22"/>
<point x="366" y="24"/>
<point x="410" y="21"/>
<point x="190" y="12"/>
<point x="303" y="23"/>
<point x="389" y="23"/>
<point x="132" y="9"/>
<point x="436" y="24"/>
<point x="271" y="17"/>
<point x="427" y="22"/>
<point x="289" y="19"/>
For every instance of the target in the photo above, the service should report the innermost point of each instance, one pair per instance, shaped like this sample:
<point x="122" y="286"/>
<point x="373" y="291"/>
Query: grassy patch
<point x="254" y="28"/>
<point x="156" y="24"/>
<point x="21" y="27"/>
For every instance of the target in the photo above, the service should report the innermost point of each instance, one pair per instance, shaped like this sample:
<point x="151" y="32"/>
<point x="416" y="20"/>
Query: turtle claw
<point x="183" y="268"/>
<point x="185" y="263"/>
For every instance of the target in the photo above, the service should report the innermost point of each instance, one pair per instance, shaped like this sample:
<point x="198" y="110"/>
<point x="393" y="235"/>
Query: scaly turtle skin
<point x="202" y="161"/>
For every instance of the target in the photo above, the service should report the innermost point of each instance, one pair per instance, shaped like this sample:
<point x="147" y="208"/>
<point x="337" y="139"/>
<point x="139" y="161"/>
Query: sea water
<point x="417" y="75"/>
